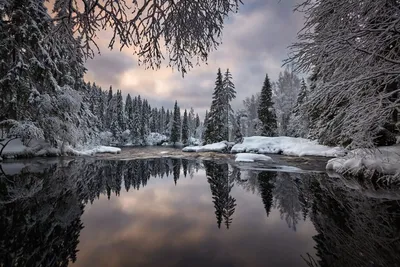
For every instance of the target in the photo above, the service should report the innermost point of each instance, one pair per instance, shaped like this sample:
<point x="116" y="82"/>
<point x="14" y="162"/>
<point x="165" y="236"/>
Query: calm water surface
<point x="176" y="212"/>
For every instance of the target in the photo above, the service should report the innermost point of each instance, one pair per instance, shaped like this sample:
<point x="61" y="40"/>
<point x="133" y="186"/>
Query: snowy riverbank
<point x="290" y="146"/>
<point x="384" y="161"/>
<point x="16" y="149"/>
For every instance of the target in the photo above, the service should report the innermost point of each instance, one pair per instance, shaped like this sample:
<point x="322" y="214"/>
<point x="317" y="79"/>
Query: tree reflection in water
<point x="40" y="211"/>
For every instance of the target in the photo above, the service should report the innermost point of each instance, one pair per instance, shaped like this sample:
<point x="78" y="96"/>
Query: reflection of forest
<point x="353" y="230"/>
<point x="40" y="211"/>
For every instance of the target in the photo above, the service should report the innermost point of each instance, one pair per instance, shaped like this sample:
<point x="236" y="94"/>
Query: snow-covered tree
<point x="129" y="112"/>
<point x="174" y="27"/>
<point x="185" y="128"/>
<point x="192" y="123"/>
<point x="229" y="94"/>
<point x="250" y="123"/>
<point x="285" y="92"/>
<point x="353" y="51"/>
<point x="176" y="125"/>
<point x="266" y="111"/>
<point x="217" y="126"/>
<point x="299" y="120"/>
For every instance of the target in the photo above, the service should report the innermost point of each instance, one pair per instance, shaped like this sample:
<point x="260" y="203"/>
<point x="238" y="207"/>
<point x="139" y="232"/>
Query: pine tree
<point x="208" y="132"/>
<point x="129" y="112"/>
<point x="144" y="122"/>
<point x="191" y="123"/>
<point x="161" y="121"/>
<point x="215" y="121"/>
<point x="109" y="109"/>
<point x="185" y="128"/>
<point x="229" y="94"/>
<point x="120" y="111"/>
<point x="101" y="109"/>
<point x="197" y="121"/>
<point x="176" y="125"/>
<point x="266" y="112"/>
<point x="303" y="95"/>
<point x="168" y="120"/>
<point x="286" y="90"/>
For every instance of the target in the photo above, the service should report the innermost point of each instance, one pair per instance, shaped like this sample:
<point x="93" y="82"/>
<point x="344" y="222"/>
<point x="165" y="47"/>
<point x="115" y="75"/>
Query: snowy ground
<point x="97" y="150"/>
<point x="287" y="146"/>
<point x="249" y="157"/>
<point x="385" y="160"/>
<point x="16" y="149"/>
<point x="216" y="147"/>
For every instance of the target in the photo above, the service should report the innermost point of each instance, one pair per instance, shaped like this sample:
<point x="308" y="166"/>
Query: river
<point x="168" y="209"/>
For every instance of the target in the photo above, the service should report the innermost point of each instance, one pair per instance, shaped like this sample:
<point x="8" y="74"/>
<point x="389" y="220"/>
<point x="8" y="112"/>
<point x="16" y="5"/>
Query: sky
<point x="254" y="43"/>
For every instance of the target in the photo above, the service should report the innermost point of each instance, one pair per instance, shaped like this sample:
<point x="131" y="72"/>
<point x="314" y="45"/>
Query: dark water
<point x="173" y="212"/>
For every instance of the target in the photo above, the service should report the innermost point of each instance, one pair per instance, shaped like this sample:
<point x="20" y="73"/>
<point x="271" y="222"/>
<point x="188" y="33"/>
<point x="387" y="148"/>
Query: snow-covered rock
<point x="385" y="160"/>
<point x="286" y="145"/>
<point x="216" y="147"/>
<point x="250" y="157"/>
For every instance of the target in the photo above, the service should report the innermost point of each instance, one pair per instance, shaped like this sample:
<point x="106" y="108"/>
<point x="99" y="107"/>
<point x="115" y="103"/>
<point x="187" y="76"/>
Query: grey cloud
<point x="255" y="42"/>
<point x="106" y="67"/>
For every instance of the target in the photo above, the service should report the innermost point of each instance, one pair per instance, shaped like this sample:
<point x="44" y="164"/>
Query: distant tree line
<point x="133" y="120"/>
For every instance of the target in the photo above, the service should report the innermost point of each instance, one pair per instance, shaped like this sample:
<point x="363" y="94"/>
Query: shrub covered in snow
<point x="156" y="139"/>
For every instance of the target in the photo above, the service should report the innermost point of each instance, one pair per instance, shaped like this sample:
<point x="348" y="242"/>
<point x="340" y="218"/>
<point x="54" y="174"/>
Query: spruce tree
<point x="167" y="124"/>
<point x="229" y="94"/>
<point x="215" y="121"/>
<point x="144" y="122"/>
<point x="129" y="113"/>
<point x="135" y="131"/>
<point x="185" y="128"/>
<point x="197" y="121"/>
<point x="109" y="110"/>
<point x="161" y="121"/>
<point x="100" y="110"/>
<point x="300" y="121"/>
<point x="266" y="112"/>
<point x="120" y="112"/>
<point x="208" y="132"/>
<point x="303" y="94"/>
<point x="176" y="125"/>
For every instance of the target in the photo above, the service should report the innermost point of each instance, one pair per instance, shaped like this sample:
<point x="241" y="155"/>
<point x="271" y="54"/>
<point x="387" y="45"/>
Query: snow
<point x="216" y="147"/>
<point x="194" y="141"/>
<point x="249" y="157"/>
<point x="39" y="149"/>
<point x="385" y="160"/>
<point x="99" y="149"/>
<point x="154" y="139"/>
<point x="290" y="146"/>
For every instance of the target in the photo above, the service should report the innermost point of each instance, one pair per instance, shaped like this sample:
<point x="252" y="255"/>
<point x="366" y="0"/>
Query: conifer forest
<point x="200" y="133"/>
